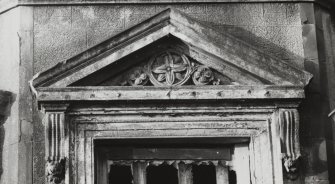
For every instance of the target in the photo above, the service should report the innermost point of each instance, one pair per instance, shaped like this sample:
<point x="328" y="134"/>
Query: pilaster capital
<point x="59" y="107"/>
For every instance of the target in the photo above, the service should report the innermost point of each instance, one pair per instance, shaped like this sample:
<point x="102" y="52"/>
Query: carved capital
<point x="50" y="108"/>
<point x="55" y="171"/>
<point x="289" y="138"/>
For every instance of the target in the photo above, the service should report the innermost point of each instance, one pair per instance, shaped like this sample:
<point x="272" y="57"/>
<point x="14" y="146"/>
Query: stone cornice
<point x="112" y="93"/>
<point x="7" y="5"/>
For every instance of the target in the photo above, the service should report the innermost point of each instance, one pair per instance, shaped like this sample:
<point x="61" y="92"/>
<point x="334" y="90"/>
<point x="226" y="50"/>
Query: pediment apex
<point x="202" y="40"/>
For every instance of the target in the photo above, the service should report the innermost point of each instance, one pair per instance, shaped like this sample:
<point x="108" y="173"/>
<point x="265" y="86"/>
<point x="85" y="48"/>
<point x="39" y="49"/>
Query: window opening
<point x="162" y="174"/>
<point x="120" y="174"/>
<point x="204" y="174"/>
<point x="164" y="162"/>
<point x="232" y="177"/>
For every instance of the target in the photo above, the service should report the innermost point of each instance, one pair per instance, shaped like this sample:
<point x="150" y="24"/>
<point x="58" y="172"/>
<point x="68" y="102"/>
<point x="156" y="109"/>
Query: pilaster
<point x="56" y="143"/>
<point x="289" y="140"/>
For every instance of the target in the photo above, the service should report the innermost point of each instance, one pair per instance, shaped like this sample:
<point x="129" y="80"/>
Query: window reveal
<point x="169" y="172"/>
<point x="204" y="174"/>
<point x="163" y="164"/>
<point x="163" y="174"/>
<point x="120" y="174"/>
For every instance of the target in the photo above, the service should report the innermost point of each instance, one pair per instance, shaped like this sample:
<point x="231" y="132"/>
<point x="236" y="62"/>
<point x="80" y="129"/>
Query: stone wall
<point x="15" y="71"/>
<point x="300" y="33"/>
<point x="63" y="31"/>
<point x="9" y="66"/>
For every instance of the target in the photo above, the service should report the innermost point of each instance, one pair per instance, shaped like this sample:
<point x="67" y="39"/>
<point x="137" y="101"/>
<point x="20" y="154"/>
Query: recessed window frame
<point x="139" y="161"/>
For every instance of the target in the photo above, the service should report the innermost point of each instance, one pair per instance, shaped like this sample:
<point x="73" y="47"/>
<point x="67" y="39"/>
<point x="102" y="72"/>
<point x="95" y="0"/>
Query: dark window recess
<point x="204" y="174"/>
<point x="162" y="174"/>
<point x="232" y="177"/>
<point x="120" y="174"/>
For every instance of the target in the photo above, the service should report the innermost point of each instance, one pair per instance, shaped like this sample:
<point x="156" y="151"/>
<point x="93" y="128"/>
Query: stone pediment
<point x="171" y="49"/>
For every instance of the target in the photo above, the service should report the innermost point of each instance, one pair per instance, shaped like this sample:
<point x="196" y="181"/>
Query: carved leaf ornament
<point x="170" y="68"/>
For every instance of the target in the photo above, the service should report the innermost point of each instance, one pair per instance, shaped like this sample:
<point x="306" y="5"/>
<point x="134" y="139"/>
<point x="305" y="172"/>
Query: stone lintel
<point x="111" y="93"/>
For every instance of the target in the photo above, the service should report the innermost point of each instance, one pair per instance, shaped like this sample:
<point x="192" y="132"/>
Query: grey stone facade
<point x="36" y="35"/>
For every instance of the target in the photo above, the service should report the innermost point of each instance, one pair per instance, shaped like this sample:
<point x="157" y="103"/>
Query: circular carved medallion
<point x="138" y="77"/>
<point x="169" y="68"/>
<point x="202" y="76"/>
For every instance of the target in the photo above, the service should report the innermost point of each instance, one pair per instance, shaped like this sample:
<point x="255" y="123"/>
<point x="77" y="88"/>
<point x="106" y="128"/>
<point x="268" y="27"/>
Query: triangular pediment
<point x="171" y="49"/>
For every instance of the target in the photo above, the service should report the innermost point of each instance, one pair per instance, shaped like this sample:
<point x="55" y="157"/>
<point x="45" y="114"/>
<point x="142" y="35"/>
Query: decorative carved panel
<point x="170" y="67"/>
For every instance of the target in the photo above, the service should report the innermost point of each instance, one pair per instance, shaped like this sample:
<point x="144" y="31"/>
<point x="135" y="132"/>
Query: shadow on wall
<point x="314" y="159"/>
<point x="6" y="100"/>
<point x="263" y="44"/>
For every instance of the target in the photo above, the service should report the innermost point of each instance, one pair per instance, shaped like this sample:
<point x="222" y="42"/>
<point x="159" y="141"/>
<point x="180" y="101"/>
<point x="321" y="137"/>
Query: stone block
<point x="10" y="127"/>
<point x="275" y="7"/>
<point x="38" y="135"/>
<point x="137" y="13"/>
<point x="311" y="120"/>
<point x="220" y="15"/>
<point x="82" y="16"/>
<point x="38" y="163"/>
<point x="310" y="44"/>
<point x="248" y="14"/>
<point x="131" y="19"/>
<point x="235" y="14"/>
<point x="307" y="15"/>
<point x="99" y="34"/>
<point x="193" y="9"/>
<point x="275" y="19"/>
<point x="52" y="17"/>
<point x="293" y="14"/>
<point x="105" y="16"/>
<point x="10" y="164"/>
<point x="53" y="46"/>
<point x="314" y="159"/>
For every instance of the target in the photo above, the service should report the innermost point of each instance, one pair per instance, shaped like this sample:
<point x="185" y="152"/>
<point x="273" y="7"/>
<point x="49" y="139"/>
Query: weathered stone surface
<point x="99" y="26"/>
<point x="47" y="50"/>
<point x="88" y="26"/>
<point x="262" y="156"/>
<point x="237" y="53"/>
<point x="315" y="158"/>
<point x="9" y="81"/>
<point x="39" y="162"/>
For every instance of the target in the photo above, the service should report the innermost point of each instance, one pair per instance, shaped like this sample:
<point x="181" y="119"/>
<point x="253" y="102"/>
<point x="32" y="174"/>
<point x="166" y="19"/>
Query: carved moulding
<point x="170" y="68"/>
<point x="55" y="142"/>
<point x="289" y="139"/>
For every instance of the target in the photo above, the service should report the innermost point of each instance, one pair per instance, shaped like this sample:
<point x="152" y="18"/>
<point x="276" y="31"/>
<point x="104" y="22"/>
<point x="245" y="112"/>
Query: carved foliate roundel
<point x="169" y="68"/>
<point x="202" y="76"/>
<point x="138" y="77"/>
